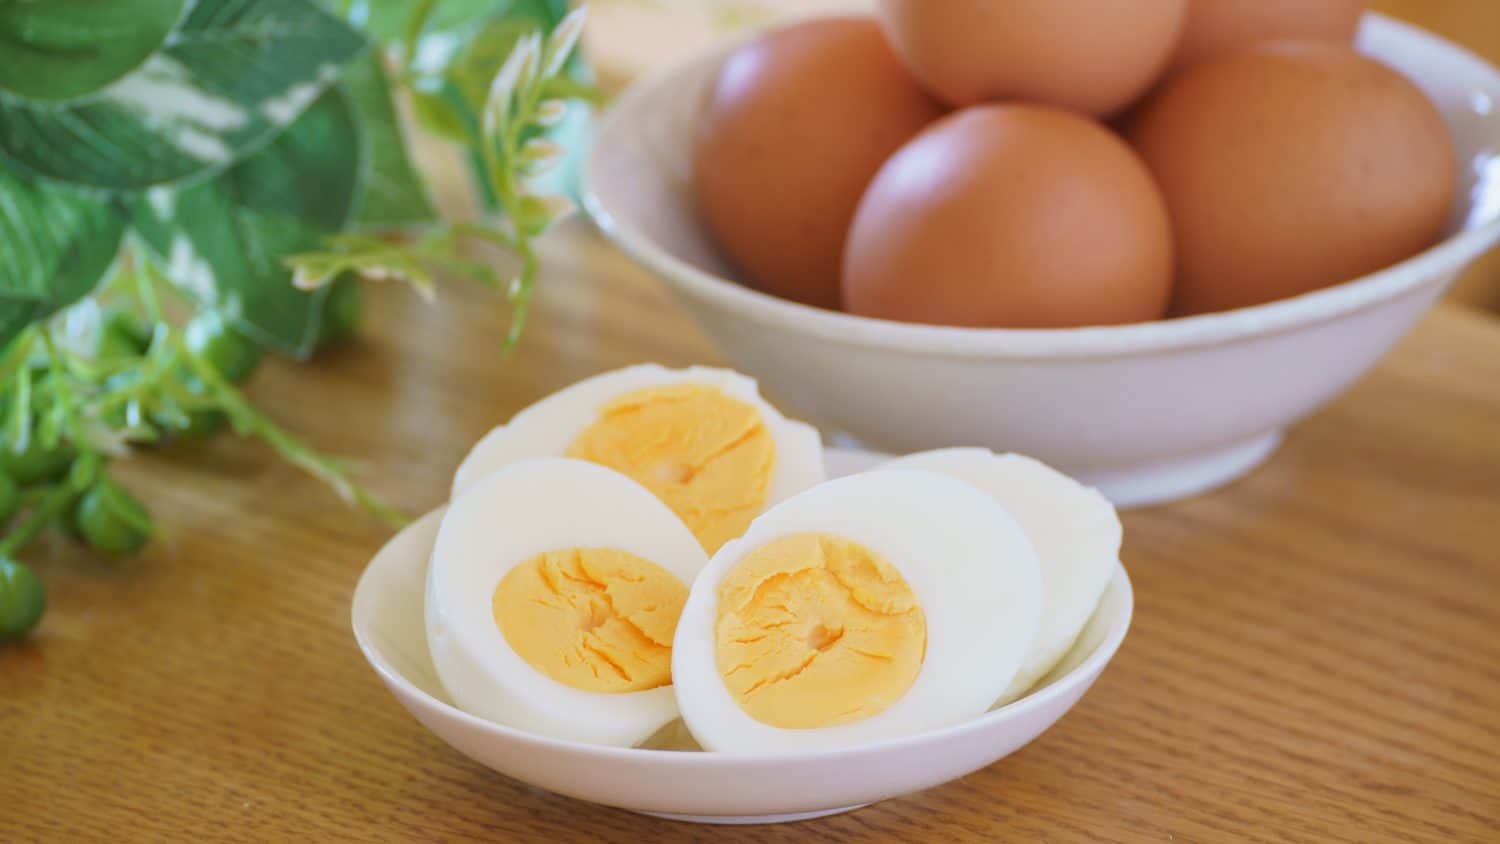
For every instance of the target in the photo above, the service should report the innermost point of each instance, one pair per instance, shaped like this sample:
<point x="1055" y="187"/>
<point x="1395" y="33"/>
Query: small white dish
<point x="1146" y="412"/>
<point x="707" y="787"/>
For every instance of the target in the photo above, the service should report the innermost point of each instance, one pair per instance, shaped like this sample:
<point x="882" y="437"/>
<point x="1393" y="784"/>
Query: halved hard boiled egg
<point x="553" y="595"/>
<point x="1074" y="529"/>
<point x="872" y="606"/>
<point x="701" y="439"/>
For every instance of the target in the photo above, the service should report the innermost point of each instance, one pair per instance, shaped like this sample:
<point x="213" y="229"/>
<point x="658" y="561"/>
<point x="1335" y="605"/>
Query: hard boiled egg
<point x="1217" y="27"/>
<point x="1011" y="216"/>
<point x="1095" y="56"/>
<point x="873" y="606"/>
<point x="794" y="127"/>
<point x="1074" y="529"/>
<point x="701" y="439"/>
<point x="1291" y="166"/>
<point x="552" y="600"/>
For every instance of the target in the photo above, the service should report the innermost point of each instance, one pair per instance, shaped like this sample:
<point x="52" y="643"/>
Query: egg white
<point x="550" y="426"/>
<point x="966" y="560"/>
<point x="1074" y="528"/>
<point x="508" y="516"/>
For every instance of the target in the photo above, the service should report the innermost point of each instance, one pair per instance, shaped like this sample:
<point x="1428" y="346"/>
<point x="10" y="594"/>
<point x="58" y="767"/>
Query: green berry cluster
<point x="67" y="408"/>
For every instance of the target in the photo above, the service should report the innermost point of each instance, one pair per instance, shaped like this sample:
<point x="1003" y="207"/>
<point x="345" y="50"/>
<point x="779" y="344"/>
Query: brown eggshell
<point x="1095" y="56"/>
<point x="1289" y="167"/>
<point x="794" y="128"/>
<point x="1216" y="27"/>
<point x="1011" y="216"/>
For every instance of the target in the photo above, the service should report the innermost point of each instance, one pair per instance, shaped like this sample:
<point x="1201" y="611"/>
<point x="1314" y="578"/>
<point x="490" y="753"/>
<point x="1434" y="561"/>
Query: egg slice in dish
<point x="1074" y="529"/>
<point x="701" y="439"/>
<point x="553" y="594"/>
<point x="872" y="606"/>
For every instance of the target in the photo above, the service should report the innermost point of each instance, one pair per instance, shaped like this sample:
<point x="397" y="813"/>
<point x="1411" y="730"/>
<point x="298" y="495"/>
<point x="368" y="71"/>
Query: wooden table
<point x="1315" y="656"/>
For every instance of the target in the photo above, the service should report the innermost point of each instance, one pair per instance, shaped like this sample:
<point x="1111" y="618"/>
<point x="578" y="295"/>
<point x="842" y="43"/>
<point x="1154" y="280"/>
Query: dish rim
<point x="1082" y="673"/>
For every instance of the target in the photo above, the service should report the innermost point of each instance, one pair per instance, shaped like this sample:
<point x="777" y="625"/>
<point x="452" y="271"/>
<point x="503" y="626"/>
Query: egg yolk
<point x="814" y="631"/>
<point x="707" y="456"/>
<point x="596" y="619"/>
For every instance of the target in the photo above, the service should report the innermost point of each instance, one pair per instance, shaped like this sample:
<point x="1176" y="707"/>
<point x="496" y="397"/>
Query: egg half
<point x="553" y="595"/>
<point x="872" y="606"/>
<point x="701" y="439"/>
<point x="1074" y="529"/>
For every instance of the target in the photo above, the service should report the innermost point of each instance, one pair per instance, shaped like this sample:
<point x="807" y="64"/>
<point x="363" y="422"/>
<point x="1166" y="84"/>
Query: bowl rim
<point x="1425" y="268"/>
<point x="1081" y="674"/>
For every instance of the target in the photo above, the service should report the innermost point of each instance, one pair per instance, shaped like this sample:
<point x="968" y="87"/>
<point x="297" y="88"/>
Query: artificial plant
<point x="214" y="152"/>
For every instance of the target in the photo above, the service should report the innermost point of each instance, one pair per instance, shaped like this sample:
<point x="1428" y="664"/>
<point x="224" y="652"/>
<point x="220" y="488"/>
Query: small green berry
<point x="111" y="520"/>
<point x="123" y="336"/>
<point x="341" y="312"/>
<point x="36" y="463"/>
<point x="67" y="520"/>
<point x="201" y="424"/>
<point x="10" y="498"/>
<point x="22" y="600"/>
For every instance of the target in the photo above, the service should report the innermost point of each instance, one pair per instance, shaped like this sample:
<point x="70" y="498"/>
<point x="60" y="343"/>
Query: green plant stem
<point x="16" y="355"/>
<point x="503" y="178"/>
<point x="145" y="284"/>
<point x="485" y="233"/>
<point x="20" y="419"/>
<point x="66" y="402"/>
<point x="49" y="504"/>
<point x="567" y="88"/>
<point x="37" y="519"/>
<point x="520" y="298"/>
<point x="249" y="420"/>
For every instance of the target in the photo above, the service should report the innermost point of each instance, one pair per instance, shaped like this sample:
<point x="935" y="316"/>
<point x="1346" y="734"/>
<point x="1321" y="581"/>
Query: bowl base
<point x="1161" y="481"/>
<point x="741" y="820"/>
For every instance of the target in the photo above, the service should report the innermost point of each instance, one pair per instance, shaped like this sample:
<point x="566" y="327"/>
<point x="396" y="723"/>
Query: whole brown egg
<point x="1288" y="167"/>
<point x="1011" y="216"/>
<point x="795" y="126"/>
<point x="1215" y="27"/>
<point x="1095" y="56"/>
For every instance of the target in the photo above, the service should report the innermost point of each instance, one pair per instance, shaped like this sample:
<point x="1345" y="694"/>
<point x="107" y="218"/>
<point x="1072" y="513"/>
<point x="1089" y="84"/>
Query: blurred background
<point x="629" y="37"/>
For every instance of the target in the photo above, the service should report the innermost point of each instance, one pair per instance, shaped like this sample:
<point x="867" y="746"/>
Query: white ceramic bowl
<point x="1146" y="412"/>
<point x="711" y="787"/>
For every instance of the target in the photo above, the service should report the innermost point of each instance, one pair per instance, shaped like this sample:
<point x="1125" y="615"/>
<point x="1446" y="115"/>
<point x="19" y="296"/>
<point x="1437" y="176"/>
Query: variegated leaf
<point x="392" y="194"/>
<point x="55" y="247"/>
<point x="67" y="48"/>
<point x="222" y="240"/>
<point x="232" y="75"/>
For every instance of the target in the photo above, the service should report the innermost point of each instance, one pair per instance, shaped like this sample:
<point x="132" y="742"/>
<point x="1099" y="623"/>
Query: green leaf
<point x="476" y="65"/>
<point x="574" y="133"/>
<point x="393" y="194"/>
<point x="223" y="240"/>
<point x="233" y="74"/>
<point x="440" y="117"/>
<point x="387" y="20"/>
<point x="55" y="247"/>
<point x="61" y="49"/>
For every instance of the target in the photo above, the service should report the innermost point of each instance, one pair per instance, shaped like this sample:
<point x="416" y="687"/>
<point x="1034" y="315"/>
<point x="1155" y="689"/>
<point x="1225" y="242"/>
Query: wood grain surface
<point x="1314" y="656"/>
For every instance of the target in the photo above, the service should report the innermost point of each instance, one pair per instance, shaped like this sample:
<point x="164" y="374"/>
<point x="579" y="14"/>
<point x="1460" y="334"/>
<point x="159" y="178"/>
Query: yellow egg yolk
<point x="707" y="456"/>
<point x="596" y="619"/>
<point x="815" y="631"/>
